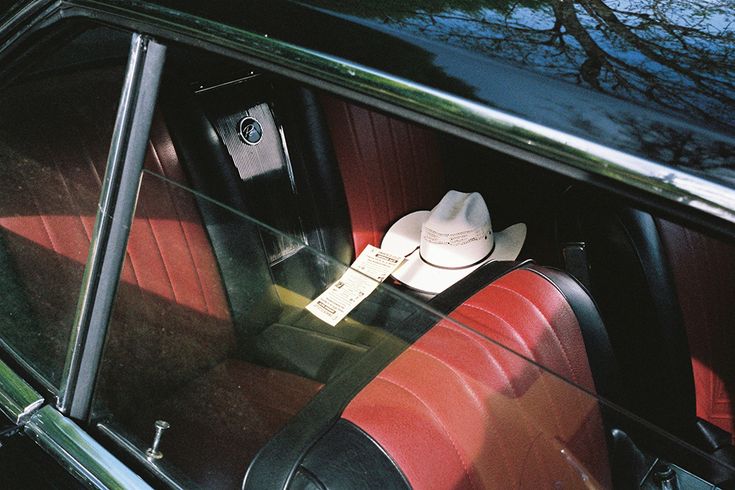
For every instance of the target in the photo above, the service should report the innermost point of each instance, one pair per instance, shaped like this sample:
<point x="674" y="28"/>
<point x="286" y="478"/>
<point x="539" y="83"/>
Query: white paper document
<point x="349" y="290"/>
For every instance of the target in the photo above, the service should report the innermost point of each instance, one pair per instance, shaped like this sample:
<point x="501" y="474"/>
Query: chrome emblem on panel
<point x="250" y="130"/>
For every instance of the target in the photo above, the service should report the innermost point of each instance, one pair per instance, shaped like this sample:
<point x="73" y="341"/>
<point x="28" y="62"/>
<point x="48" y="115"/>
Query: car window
<point x="55" y="129"/>
<point x="230" y="371"/>
<point x="225" y="363"/>
<point x="182" y="345"/>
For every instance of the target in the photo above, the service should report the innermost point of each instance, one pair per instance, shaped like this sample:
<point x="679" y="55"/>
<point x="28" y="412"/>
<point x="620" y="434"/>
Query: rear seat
<point x="51" y="173"/>
<point x="703" y="269"/>
<point x="49" y="217"/>
<point x="185" y="345"/>
<point x="172" y="346"/>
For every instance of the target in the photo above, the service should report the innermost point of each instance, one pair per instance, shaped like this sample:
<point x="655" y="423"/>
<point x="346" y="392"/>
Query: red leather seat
<point x="469" y="406"/>
<point x="52" y="157"/>
<point x="458" y="410"/>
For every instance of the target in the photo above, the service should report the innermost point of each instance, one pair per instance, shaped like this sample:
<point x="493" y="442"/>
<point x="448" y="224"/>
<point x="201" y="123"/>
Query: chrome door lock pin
<point x="153" y="452"/>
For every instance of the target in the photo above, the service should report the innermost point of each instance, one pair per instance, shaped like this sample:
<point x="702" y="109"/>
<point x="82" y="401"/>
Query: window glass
<point x="227" y="365"/>
<point x="230" y="365"/>
<point x="55" y="128"/>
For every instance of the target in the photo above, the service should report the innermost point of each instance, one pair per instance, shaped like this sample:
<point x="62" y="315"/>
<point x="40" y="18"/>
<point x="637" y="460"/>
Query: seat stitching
<point x="381" y="170"/>
<point x="437" y="419"/>
<point x="573" y="373"/>
<point x="72" y="196"/>
<point x="523" y="342"/>
<point x="479" y="343"/>
<point x="394" y="147"/>
<point x="360" y="171"/>
<point x="142" y="220"/>
<point x="479" y="404"/>
<point x="33" y="197"/>
<point x="46" y="228"/>
<point x="417" y="180"/>
<point x="183" y="232"/>
<point x="492" y="313"/>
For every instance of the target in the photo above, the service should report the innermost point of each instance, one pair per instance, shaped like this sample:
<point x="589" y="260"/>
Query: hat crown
<point x="458" y="231"/>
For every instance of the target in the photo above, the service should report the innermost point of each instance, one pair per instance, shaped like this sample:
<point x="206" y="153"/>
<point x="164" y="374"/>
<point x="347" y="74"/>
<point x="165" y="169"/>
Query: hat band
<point x="457" y="268"/>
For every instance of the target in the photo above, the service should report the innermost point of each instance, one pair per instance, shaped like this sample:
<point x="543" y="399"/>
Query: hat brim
<point x="404" y="238"/>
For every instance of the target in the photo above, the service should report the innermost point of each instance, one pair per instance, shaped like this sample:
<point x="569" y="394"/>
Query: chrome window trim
<point x="155" y="467"/>
<point x="505" y="132"/>
<point x="28" y="367"/>
<point x="17" y="398"/>
<point x="79" y="453"/>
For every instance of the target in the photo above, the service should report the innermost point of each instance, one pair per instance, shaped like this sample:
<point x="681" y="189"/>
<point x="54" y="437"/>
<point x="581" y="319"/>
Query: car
<point x="322" y="244"/>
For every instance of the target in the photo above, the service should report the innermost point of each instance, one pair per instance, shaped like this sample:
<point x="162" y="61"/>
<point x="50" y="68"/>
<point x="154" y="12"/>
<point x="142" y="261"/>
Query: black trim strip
<point x="600" y="355"/>
<point x="348" y="457"/>
<point x="457" y="268"/>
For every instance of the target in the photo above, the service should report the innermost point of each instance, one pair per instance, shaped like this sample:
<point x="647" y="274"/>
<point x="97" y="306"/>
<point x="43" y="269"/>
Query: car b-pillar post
<point x="112" y="226"/>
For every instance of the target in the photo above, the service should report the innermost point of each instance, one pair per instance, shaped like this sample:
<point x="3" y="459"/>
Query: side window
<point x="227" y="358"/>
<point x="56" y="122"/>
<point x="208" y="331"/>
<point x="210" y="345"/>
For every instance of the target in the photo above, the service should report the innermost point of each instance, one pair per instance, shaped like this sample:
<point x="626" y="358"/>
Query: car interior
<point x="494" y="380"/>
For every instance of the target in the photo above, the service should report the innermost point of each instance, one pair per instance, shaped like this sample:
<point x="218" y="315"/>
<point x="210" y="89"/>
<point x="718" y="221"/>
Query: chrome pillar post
<point x="112" y="226"/>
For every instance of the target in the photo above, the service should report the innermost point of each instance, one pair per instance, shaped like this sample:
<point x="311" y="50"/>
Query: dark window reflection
<point x="675" y="53"/>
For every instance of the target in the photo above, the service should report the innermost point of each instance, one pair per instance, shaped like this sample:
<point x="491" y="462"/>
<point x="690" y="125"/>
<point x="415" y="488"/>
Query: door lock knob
<point x="154" y="452"/>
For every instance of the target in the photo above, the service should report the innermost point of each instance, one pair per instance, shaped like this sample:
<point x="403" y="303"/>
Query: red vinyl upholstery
<point x="459" y="411"/>
<point x="703" y="269"/>
<point x="182" y="268"/>
<point x="54" y="136"/>
<point x="389" y="168"/>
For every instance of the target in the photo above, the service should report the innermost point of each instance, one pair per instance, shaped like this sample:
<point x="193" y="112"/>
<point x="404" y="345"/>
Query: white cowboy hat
<point x="445" y="244"/>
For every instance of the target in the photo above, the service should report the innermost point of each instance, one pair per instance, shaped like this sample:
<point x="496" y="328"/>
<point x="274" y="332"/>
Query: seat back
<point x="389" y="167"/>
<point x="703" y="270"/>
<point x="458" y="409"/>
<point x="48" y="220"/>
<point x="171" y="293"/>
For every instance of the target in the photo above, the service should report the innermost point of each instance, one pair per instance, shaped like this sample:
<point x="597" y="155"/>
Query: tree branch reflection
<point x="675" y="54"/>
